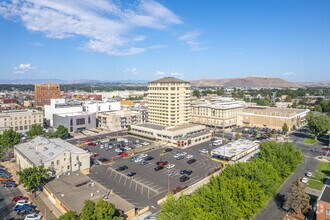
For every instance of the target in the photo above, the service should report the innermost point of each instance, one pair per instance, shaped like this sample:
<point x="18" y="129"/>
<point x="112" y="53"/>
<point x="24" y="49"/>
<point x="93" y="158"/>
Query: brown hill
<point x="249" y="82"/>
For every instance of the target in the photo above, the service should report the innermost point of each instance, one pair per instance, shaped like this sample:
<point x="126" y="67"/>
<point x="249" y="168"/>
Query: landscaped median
<point x="310" y="141"/>
<point x="321" y="175"/>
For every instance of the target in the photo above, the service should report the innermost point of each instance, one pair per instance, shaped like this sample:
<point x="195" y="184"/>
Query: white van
<point x="217" y="142"/>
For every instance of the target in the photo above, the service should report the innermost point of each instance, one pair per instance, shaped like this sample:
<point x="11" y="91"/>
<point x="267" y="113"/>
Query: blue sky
<point x="145" y="40"/>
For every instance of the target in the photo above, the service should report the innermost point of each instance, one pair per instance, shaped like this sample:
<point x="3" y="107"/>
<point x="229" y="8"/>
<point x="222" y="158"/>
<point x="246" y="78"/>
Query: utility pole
<point x="168" y="181"/>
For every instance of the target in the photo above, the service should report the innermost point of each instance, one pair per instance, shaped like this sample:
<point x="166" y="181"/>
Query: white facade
<point x="59" y="106"/>
<point x="56" y="154"/>
<point x="95" y="107"/>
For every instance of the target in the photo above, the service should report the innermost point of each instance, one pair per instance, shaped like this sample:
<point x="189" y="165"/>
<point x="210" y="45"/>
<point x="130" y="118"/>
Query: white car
<point x="145" y="143"/>
<point x="118" y="150"/>
<point x="143" y="155"/>
<point x="32" y="217"/>
<point x="177" y="155"/>
<point x="23" y="202"/>
<point x="170" y="166"/>
<point x="184" y="153"/>
<point x="189" y="156"/>
<point x="309" y="174"/>
<point x="139" y="159"/>
<point x="203" y="151"/>
<point x="304" y="180"/>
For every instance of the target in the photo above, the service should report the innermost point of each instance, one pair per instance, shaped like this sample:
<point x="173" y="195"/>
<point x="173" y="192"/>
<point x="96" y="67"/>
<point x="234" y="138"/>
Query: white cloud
<point x="192" y="40"/>
<point x="164" y="74"/>
<point x="287" y="74"/>
<point x="106" y="26"/>
<point x="36" y="44"/>
<point x="133" y="70"/>
<point x="24" y="68"/>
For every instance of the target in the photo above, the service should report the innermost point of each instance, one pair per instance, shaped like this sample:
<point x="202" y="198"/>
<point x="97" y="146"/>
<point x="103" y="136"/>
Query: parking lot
<point x="107" y="154"/>
<point x="148" y="185"/>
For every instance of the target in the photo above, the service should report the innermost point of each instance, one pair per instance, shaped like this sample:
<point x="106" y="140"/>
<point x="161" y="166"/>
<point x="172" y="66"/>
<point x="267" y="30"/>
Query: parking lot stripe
<point x="120" y="178"/>
<point x="135" y="186"/>
<point x="125" y="181"/>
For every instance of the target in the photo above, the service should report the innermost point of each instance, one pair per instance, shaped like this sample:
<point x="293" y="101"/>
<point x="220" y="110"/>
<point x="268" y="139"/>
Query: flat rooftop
<point x="119" y="112"/>
<point x="40" y="149"/>
<point x="222" y="104"/>
<point x="325" y="194"/>
<point x="72" y="190"/>
<point x="152" y="126"/>
<point x="74" y="114"/>
<point x="180" y="127"/>
<point x="15" y="112"/>
<point x="284" y="112"/>
<point x="235" y="148"/>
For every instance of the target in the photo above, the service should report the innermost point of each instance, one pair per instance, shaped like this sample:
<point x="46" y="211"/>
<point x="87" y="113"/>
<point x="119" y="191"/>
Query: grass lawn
<point x="310" y="141"/>
<point x="320" y="176"/>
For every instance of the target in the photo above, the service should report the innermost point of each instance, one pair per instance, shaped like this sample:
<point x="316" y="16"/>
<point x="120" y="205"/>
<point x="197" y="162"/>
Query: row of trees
<point x="36" y="129"/>
<point x="94" y="211"/>
<point x="241" y="190"/>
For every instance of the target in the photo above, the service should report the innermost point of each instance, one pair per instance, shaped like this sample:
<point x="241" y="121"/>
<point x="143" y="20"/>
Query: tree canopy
<point x="35" y="130"/>
<point x="71" y="215"/>
<point x="62" y="132"/>
<point x="296" y="199"/>
<point x="101" y="210"/>
<point x="239" y="191"/>
<point x="285" y="128"/>
<point x="33" y="176"/>
<point x="318" y="123"/>
<point x="7" y="140"/>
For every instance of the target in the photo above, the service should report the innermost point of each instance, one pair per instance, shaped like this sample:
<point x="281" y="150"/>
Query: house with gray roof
<point x="56" y="154"/>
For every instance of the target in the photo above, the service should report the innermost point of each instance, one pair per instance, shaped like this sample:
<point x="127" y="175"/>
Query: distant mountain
<point x="249" y="82"/>
<point x="325" y="83"/>
<point x="31" y="81"/>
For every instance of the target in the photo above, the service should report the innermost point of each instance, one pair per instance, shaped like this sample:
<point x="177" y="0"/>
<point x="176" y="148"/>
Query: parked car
<point x="149" y="158"/>
<point x="10" y="184"/>
<point x="304" y="180"/>
<point x="121" y="168"/>
<point x="23" y="202"/>
<point x="18" y="198"/>
<point x="33" y="217"/>
<point x="189" y="156"/>
<point x="180" y="157"/>
<point x="170" y="166"/>
<point x="168" y="150"/>
<point x="150" y="217"/>
<point x="184" y="178"/>
<point x="144" y="162"/>
<point x="157" y="168"/>
<point x="4" y="178"/>
<point x="94" y="155"/>
<point x="124" y="154"/>
<point x="23" y="207"/>
<point x="172" y="173"/>
<point x="186" y="172"/>
<point x="130" y="174"/>
<point x="309" y="174"/>
<point x="162" y="163"/>
<point x="91" y="144"/>
<point x="203" y="151"/>
<point x="191" y="161"/>
<point x="7" y="181"/>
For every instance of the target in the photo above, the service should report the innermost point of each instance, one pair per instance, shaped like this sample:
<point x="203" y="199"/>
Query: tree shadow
<point x="279" y="200"/>
<point x="325" y="176"/>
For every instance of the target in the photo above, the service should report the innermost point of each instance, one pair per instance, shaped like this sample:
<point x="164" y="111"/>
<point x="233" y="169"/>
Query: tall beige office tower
<point x="169" y="101"/>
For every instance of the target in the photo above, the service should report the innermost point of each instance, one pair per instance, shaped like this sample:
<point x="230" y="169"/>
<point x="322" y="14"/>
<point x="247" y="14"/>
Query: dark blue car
<point x="24" y="208"/>
<point x="10" y="184"/>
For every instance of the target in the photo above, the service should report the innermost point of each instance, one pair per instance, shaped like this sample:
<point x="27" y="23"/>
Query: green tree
<point x="237" y="136"/>
<point x="62" y="132"/>
<point x="104" y="210"/>
<point x="325" y="104"/>
<point x="71" y="215"/>
<point x="285" y="128"/>
<point x="33" y="177"/>
<point x="318" y="108"/>
<point x="297" y="199"/>
<point x="88" y="211"/>
<point x="294" y="127"/>
<point x="9" y="138"/>
<point x="35" y="130"/>
<point x="196" y="93"/>
<point x="129" y="128"/>
<point x="318" y="123"/>
<point x="263" y="102"/>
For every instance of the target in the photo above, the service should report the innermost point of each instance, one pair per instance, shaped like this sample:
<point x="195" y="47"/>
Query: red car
<point x="124" y="154"/>
<point x="95" y="155"/>
<point x="162" y="163"/>
<point x="17" y="198"/>
<point x="91" y="144"/>
<point x="88" y="140"/>
<point x="326" y="148"/>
